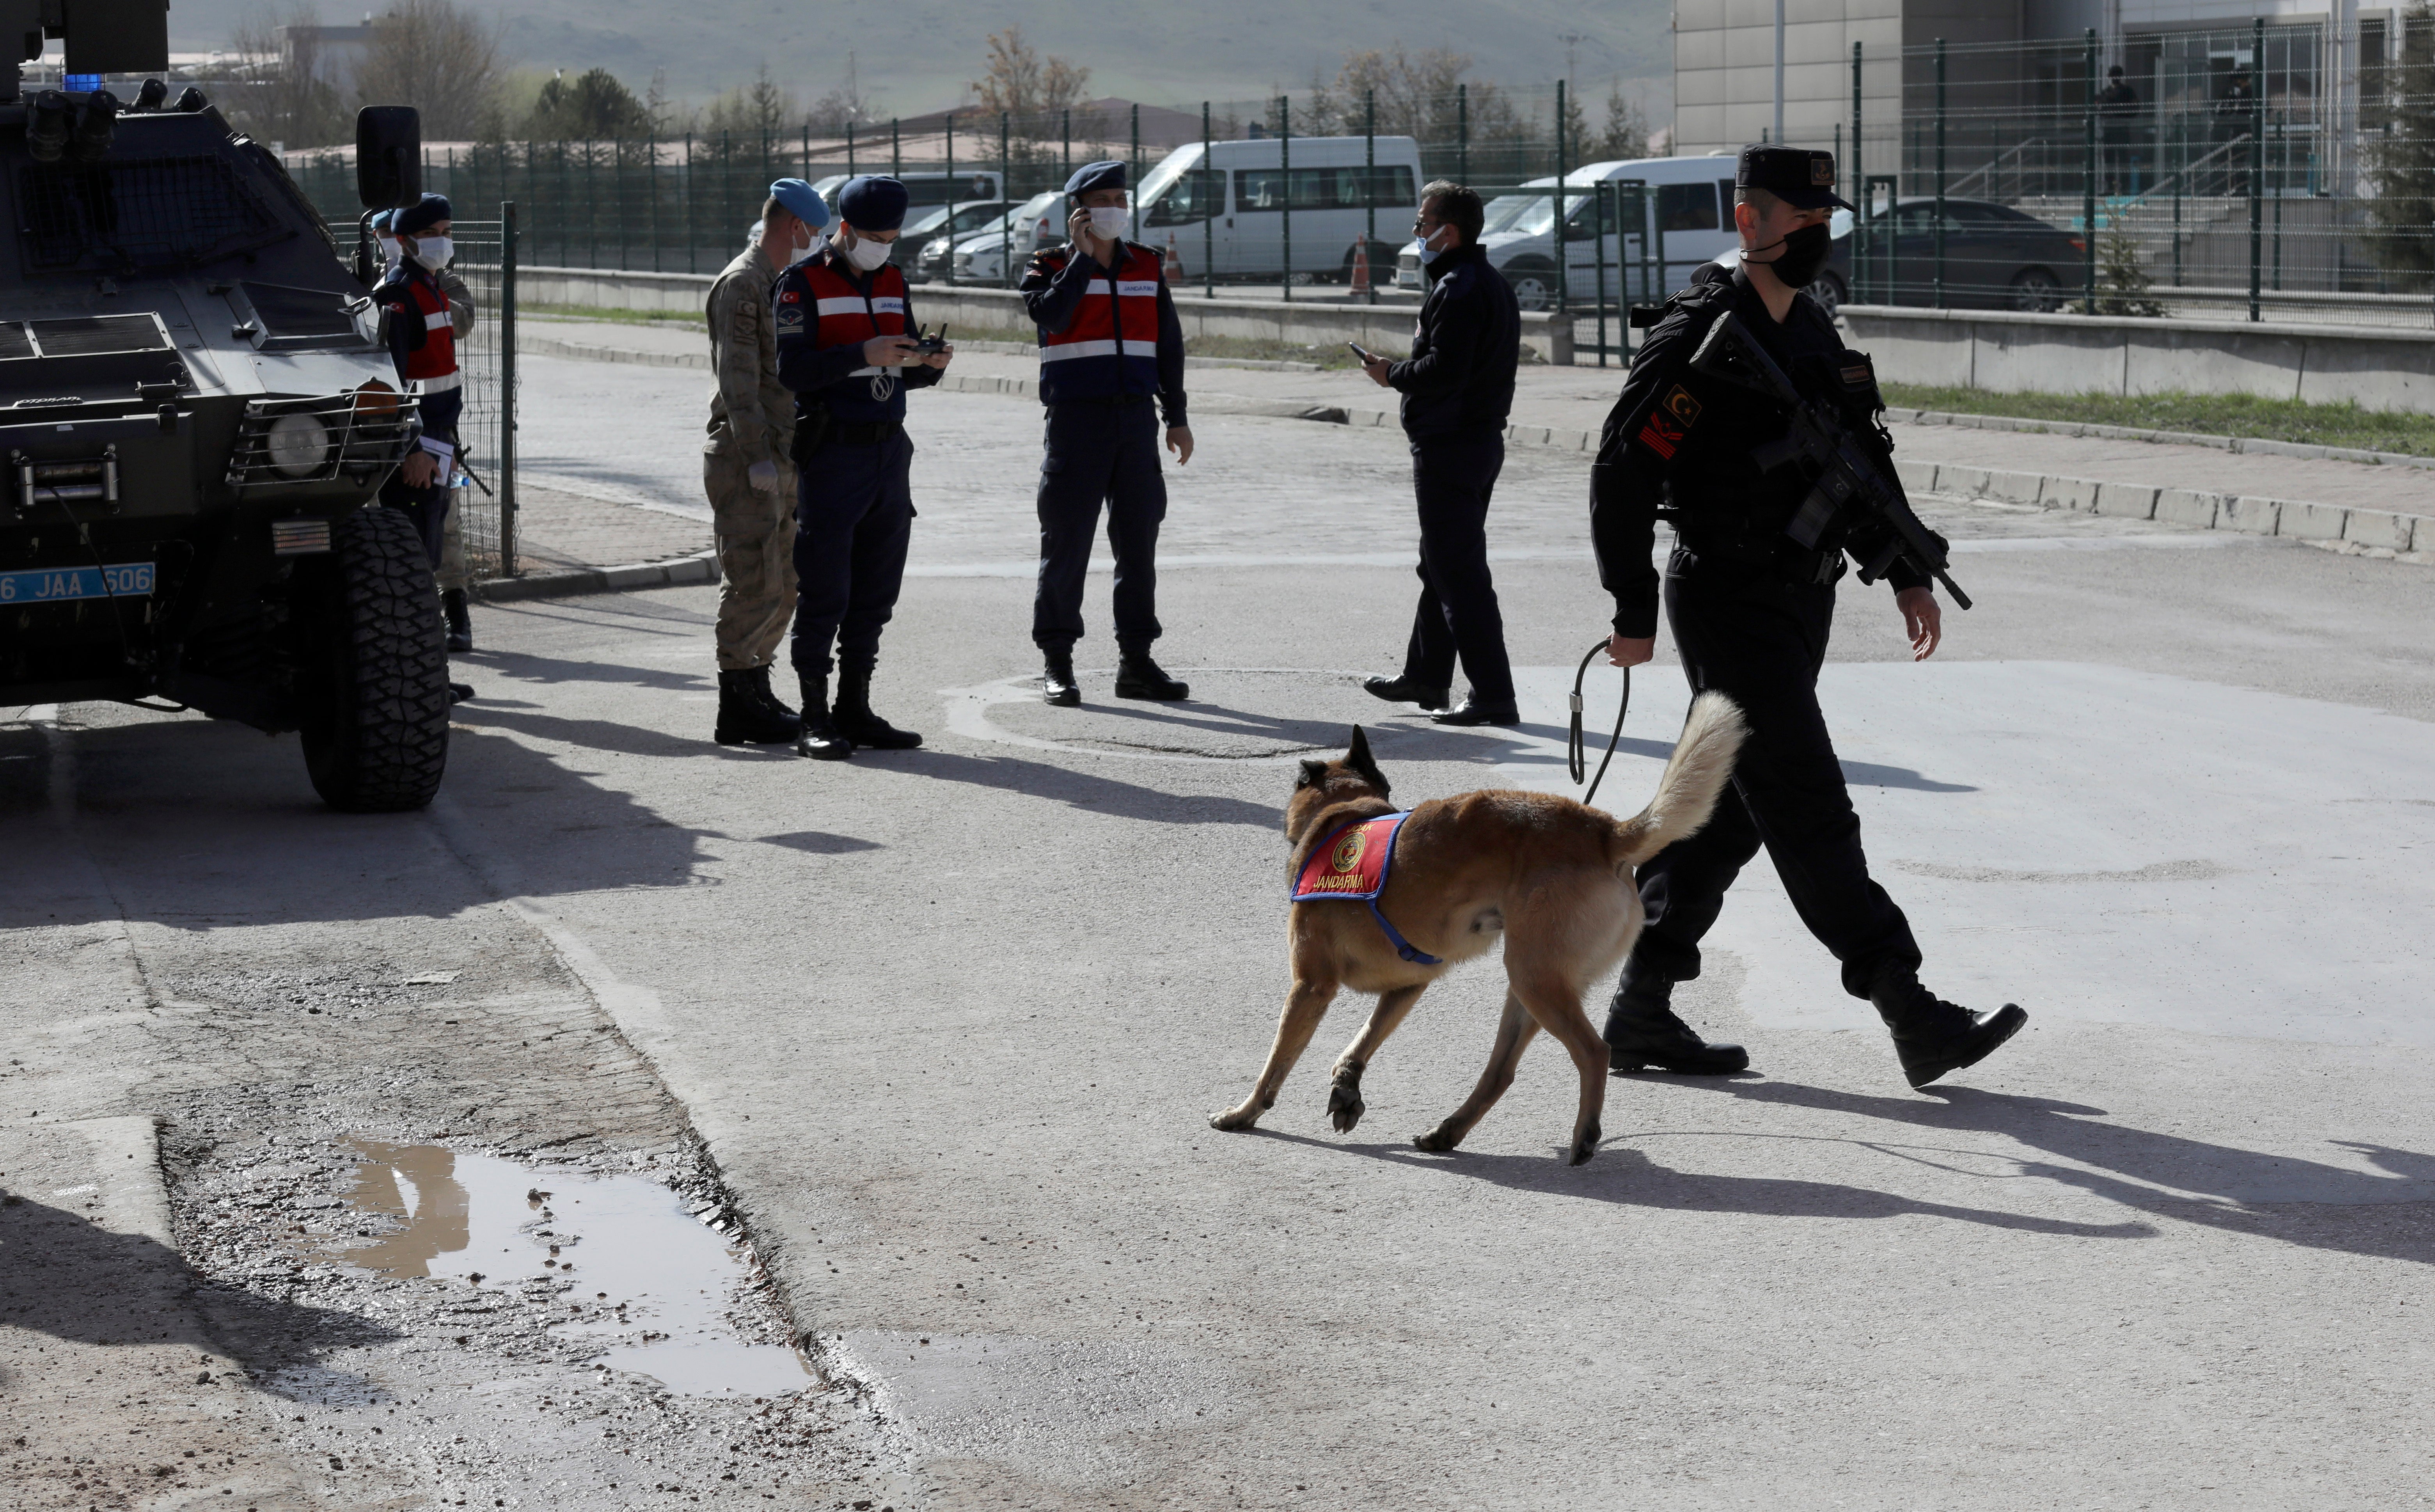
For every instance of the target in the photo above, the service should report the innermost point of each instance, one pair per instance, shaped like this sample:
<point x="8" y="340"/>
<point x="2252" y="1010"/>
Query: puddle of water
<point x="652" y="1275"/>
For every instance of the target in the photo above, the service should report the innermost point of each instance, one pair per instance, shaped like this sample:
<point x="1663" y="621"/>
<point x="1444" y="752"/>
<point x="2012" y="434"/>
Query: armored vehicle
<point x="196" y="412"/>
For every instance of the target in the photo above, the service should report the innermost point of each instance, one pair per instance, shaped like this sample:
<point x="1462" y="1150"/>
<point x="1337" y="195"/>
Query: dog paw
<point x="1439" y="1140"/>
<point x="1586" y="1145"/>
<point x="1344" y="1106"/>
<point x="1234" y="1119"/>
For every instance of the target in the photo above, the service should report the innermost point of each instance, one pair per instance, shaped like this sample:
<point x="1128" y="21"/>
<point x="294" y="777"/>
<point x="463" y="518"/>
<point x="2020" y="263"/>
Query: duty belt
<point x="871" y="434"/>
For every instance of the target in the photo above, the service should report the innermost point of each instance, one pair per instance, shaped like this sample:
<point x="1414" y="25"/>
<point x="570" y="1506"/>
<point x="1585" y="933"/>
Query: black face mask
<point x="1804" y="252"/>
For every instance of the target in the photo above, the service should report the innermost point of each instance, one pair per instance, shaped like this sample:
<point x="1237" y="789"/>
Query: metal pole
<point x="2181" y="171"/>
<point x="1779" y="70"/>
<point x="1462" y="133"/>
<point x="1209" y="217"/>
<point x="1005" y="177"/>
<point x="1597" y="215"/>
<point x="1285" y="175"/>
<point x="895" y="148"/>
<point x="1860" y="182"/>
<point x="848" y="147"/>
<point x="2282" y="187"/>
<point x="951" y="145"/>
<point x="1564" y="254"/>
<point x="1940" y="173"/>
<point x="651" y="181"/>
<point x="693" y="243"/>
<point x="2257" y="154"/>
<point x="2088" y="176"/>
<point x="1065" y="142"/>
<point x="1370" y="187"/>
<point x="506" y="468"/>
<point x="1132" y="164"/>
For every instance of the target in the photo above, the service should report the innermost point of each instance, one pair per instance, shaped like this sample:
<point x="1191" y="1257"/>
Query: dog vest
<point x="1354" y="863"/>
<point x="1111" y="348"/>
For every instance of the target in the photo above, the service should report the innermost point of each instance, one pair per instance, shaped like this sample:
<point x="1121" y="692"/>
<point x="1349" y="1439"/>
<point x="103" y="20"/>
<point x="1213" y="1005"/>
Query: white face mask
<point x="387" y="251"/>
<point x="1111" y="221"/>
<point x="865" y="253"/>
<point x="1430" y="248"/>
<point x="806" y="249"/>
<point x="434" y="251"/>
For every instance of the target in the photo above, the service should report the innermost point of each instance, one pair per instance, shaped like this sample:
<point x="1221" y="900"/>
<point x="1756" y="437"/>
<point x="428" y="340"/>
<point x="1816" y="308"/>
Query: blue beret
<point x="802" y="201"/>
<point x="416" y="219"/>
<point x="381" y="222"/>
<point x="1107" y="174"/>
<point x="871" y="203"/>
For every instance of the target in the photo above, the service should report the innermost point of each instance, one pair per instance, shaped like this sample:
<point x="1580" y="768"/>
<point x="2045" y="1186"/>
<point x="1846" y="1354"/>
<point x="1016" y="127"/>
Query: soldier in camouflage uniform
<point x="749" y="470"/>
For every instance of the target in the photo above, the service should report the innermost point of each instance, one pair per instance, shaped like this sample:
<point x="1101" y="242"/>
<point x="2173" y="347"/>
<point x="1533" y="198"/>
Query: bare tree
<point x="439" y="57"/>
<point x="1627" y="127"/>
<point x="750" y="112"/>
<point x="291" y="91"/>
<point x="850" y="103"/>
<point x="1034" y="92"/>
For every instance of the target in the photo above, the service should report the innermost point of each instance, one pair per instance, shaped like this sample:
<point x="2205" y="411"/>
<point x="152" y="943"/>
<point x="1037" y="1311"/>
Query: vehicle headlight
<point x="299" y="444"/>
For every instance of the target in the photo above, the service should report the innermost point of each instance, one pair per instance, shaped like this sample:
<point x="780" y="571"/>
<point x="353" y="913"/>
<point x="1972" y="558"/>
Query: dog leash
<point x="1576" y="754"/>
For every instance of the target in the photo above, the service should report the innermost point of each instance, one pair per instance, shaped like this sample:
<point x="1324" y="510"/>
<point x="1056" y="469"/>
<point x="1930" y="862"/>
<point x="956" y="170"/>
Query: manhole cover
<point x="1234" y="713"/>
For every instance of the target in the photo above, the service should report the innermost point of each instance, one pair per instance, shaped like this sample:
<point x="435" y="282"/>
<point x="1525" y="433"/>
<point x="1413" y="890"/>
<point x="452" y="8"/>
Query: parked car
<point x="1690" y="201"/>
<point x="980" y="257"/>
<point x="939" y="223"/>
<point x="1996" y="257"/>
<point x="1231" y="209"/>
<point x="923" y="190"/>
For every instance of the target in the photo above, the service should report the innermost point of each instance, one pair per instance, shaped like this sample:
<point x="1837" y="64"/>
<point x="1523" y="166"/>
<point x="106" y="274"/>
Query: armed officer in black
<point x="1750" y="610"/>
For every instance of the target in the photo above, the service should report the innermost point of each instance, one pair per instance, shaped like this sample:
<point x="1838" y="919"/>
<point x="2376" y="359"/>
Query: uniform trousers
<point x="1098" y="454"/>
<point x="428" y="507"/>
<point x="1452" y="479"/>
<point x="454" y="574"/>
<point x="1760" y="640"/>
<point x="850" y="541"/>
<point x="756" y="557"/>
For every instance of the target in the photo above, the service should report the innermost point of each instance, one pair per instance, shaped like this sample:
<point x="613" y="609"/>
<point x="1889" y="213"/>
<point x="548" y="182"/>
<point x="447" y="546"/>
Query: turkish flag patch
<point x="789" y="297"/>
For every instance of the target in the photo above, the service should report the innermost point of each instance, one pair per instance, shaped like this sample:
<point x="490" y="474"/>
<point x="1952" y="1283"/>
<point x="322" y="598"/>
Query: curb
<point x="2088" y="430"/>
<point x="531" y="345"/>
<point x="677" y="572"/>
<point x="2381" y="531"/>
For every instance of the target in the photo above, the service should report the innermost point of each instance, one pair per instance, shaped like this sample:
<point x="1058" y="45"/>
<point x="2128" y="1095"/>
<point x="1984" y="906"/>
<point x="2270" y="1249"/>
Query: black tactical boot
<point x="1642" y="1031"/>
<point x="1056" y="684"/>
<point x="1933" y="1035"/>
<point x="1406" y="690"/>
<point x="768" y="695"/>
<point x="1138" y="676"/>
<point x="1473" y="712"/>
<point x="818" y="738"/>
<point x="461" y="622"/>
<point x="855" y="721"/>
<point x="745" y="718"/>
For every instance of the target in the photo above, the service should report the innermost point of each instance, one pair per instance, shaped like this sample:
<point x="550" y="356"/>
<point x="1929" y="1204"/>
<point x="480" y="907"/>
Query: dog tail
<point x="1688" y="793"/>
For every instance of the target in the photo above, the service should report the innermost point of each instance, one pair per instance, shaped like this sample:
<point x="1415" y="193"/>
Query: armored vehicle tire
<point x="376" y="716"/>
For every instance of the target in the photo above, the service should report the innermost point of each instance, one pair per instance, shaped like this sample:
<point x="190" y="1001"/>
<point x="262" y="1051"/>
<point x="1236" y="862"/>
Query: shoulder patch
<point x="1679" y="404"/>
<point x="790" y="322"/>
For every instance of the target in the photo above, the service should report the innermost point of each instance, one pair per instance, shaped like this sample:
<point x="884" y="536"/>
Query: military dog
<point x="1550" y="875"/>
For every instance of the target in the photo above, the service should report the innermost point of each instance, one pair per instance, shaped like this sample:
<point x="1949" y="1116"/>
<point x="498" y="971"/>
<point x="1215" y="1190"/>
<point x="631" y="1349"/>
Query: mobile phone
<point x="1361" y="352"/>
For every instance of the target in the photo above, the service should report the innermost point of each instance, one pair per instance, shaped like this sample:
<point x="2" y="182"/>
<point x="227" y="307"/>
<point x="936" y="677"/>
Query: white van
<point x="1690" y="200"/>
<point x="1231" y="209"/>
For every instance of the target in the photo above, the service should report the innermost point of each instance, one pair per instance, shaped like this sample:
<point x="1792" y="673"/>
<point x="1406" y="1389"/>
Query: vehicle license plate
<point x="51" y="585"/>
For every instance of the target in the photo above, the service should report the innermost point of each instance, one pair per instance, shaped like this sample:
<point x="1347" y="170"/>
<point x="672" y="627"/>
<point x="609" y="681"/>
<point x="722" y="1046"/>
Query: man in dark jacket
<point x="1457" y="387"/>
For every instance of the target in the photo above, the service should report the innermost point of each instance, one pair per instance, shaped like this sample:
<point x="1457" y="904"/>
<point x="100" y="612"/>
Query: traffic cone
<point x="1362" y="263"/>
<point x="1174" y="260"/>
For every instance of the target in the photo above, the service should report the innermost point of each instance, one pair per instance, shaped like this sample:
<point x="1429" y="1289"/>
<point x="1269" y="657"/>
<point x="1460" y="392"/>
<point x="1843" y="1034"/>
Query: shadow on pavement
<point x="75" y="1282"/>
<point x="1093" y="794"/>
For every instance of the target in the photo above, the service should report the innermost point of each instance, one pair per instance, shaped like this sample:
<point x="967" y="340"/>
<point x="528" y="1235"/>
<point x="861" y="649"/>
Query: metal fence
<point x="2275" y="171"/>
<point x="682" y="204"/>
<point x="486" y="257"/>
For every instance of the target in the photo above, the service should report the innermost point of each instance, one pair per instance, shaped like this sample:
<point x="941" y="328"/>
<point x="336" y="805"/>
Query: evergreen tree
<point x="2401" y="163"/>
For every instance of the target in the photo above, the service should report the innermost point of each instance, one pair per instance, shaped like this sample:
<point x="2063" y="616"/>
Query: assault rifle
<point x="1851" y="482"/>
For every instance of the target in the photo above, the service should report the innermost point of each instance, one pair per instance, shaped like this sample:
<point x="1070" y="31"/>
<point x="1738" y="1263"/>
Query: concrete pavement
<point x="948" y="1021"/>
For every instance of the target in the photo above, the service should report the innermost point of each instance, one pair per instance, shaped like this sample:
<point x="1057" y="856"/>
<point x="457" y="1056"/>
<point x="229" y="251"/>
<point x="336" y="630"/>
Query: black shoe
<point x="815" y="736"/>
<point x="1056" y="684"/>
<point x="1933" y="1036"/>
<point x="1138" y="676"/>
<point x="461" y="622"/>
<point x="745" y="718"/>
<point x="1471" y="712"/>
<point x="856" y="723"/>
<point x="1404" y="690"/>
<point x="459" y="692"/>
<point x="768" y="695"/>
<point x="1642" y="1032"/>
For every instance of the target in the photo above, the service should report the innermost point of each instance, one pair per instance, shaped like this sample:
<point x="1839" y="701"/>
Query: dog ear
<point x="1313" y="772"/>
<point x="1356" y="756"/>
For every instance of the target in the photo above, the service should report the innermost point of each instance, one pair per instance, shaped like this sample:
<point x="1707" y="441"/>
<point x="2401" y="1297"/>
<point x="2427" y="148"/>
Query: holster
<point x="811" y="434"/>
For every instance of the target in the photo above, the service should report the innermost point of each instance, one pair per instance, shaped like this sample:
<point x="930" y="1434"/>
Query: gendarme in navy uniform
<point x="844" y="327"/>
<point x="1110" y="348"/>
<point x="1750" y="611"/>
